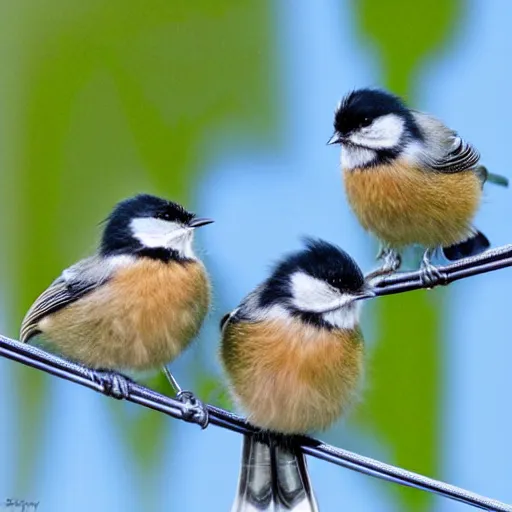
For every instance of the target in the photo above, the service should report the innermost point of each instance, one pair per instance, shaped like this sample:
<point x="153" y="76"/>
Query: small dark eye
<point x="163" y="215"/>
<point x="365" y="122"/>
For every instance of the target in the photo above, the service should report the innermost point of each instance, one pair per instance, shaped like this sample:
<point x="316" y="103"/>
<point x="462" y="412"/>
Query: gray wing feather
<point x="248" y="310"/>
<point x="445" y="151"/>
<point x="75" y="282"/>
<point x="462" y="157"/>
<point x="226" y="319"/>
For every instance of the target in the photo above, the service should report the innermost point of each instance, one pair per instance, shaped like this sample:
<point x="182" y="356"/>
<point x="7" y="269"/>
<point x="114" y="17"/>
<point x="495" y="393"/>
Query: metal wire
<point x="399" y="282"/>
<point x="36" y="358"/>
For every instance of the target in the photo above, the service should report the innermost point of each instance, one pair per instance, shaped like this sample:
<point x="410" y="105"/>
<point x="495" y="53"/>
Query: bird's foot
<point x="391" y="261"/>
<point x="195" y="411"/>
<point x="430" y="275"/>
<point x="113" y="384"/>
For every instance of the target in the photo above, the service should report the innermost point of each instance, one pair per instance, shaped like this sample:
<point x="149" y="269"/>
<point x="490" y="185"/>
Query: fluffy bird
<point x="293" y="353"/>
<point x="409" y="178"/>
<point x="137" y="303"/>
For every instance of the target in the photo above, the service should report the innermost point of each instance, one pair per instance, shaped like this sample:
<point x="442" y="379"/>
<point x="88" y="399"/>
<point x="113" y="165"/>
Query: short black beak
<point x="198" y="222"/>
<point x="335" y="139"/>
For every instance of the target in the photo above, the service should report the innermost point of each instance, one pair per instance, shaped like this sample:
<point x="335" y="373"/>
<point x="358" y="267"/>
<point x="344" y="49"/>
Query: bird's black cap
<point x="117" y="236"/>
<point x="146" y="205"/>
<point x="360" y="107"/>
<point x="319" y="259"/>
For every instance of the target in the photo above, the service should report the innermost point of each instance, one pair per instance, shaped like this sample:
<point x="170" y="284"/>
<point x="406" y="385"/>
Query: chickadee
<point x="137" y="303"/>
<point x="293" y="353"/>
<point x="409" y="178"/>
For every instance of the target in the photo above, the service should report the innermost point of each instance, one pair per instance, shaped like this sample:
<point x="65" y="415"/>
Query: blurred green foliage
<point x="403" y="401"/>
<point x="117" y="97"/>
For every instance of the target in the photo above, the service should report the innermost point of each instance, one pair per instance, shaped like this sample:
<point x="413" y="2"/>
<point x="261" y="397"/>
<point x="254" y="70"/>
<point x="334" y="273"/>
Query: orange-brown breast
<point x="141" y="319"/>
<point x="289" y="377"/>
<point x="403" y="205"/>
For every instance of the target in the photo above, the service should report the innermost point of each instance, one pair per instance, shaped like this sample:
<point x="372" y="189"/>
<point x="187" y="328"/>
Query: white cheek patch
<point x="158" y="233"/>
<point x="313" y="295"/>
<point x="346" y="317"/>
<point x="384" y="133"/>
<point x="153" y="233"/>
<point x="184" y="245"/>
<point x="354" y="157"/>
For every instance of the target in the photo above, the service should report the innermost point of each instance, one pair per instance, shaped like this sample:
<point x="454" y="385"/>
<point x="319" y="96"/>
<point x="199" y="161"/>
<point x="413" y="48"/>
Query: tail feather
<point x="475" y="244"/>
<point x="293" y="490"/>
<point x="497" y="179"/>
<point x="273" y="478"/>
<point x="485" y="175"/>
<point x="255" y="490"/>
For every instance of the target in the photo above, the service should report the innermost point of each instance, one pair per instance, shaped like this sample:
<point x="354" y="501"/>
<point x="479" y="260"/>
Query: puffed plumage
<point x="404" y="205"/>
<point x="291" y="377"/>
<point x="142" y="318"/>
